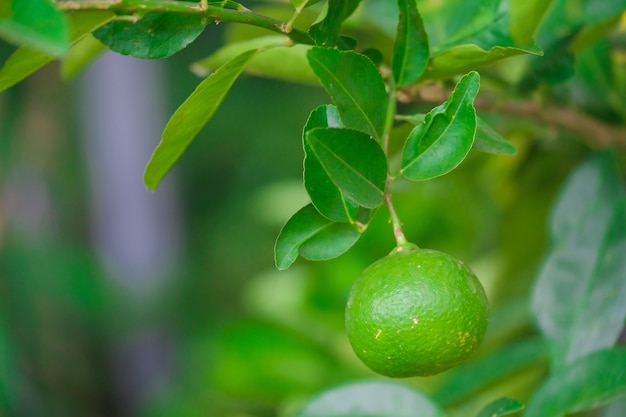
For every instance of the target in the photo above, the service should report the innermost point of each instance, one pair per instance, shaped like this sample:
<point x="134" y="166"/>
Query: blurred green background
<point x="222" y="332"/>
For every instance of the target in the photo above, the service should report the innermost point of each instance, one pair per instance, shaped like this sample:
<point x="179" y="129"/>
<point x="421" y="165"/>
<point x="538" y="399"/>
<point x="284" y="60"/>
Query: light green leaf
<point x="501" y="407"/>
<point x="191" y="116"/>
<point x="154" y="36"/>
<point x="578" y="298"/>
<point x="525" y="18"/>
<point x="589" y="382"/>
<point x="444" y="139"/>
<point x="36" y="24"/>
<point x="371" y="399"/>
<point x="490" y="141"/>
<point x="355" y="86"/>
<point x="314" y="237"/>
<point x="352" y="160"/>
<point x="410" y="50"/>
<point x="24" y="61"/>
<point x="80" y="56"/>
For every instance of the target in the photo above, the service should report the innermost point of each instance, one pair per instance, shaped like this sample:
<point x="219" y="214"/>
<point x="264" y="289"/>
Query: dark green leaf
<point x="352" y="160"/>
<point x="490" y="141"/>
<point x="326" y="32"/>
<point x="410" y="50"/>
<point x="355" y="86"/>
<point x="444" y="139"/>
<point x="154" y="36"/>
<point x="578" y="298"/>
<point x="36" y="24"/>
<point x="587" y="383"/>
<point x="501" y="407"/>
<point x="313" y="236"/>
<point x="24" y="61"/>
<point x="191" y="116"/>
<point x="371" y="399"/>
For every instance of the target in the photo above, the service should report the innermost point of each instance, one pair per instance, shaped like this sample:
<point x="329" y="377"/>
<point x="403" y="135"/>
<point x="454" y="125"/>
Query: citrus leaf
<point x="154" y="36"/>
<point x="578" y="297"/>
<point x="326" y="197"/>
<point x="410" y="50"/>
<point x="501" y="407"/>
<point x="36" y="24"/>
<point x="371" y="399"/>
<point x="191" y="116"/>
<point x="589" y="382"/>
<point x="444" y="139"/>
<point x="352" y="160"/>
<point x="355" y="86"/>
<point x="24" y="61"/>
<point x="313" y="236"/>
<point x="326" y="32"/>
<point x="490" y="141"/>
<point x="525" y="18"/>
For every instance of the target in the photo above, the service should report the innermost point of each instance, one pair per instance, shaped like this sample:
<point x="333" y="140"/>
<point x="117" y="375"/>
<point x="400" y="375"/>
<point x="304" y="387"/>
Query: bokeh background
<point x="115" y="301"/>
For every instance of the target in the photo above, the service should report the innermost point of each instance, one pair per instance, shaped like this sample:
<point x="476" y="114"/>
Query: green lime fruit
<point x="416" y="312"/>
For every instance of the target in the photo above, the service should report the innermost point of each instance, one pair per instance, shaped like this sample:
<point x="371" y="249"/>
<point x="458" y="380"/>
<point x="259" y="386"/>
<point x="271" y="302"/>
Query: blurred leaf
<point x="24" y="61"/>
<point x="501" y="407"/>
<point x="470" y="377"/>
<point x="314" y="237"/>
<point x="444" y="139"/>
<point x="83" y="53"/>
<point x="191" y="116"/>
<point x="585" y="384"/>
<point x="371" y="399"/>
<point x="526" y="16"/>
<point x="355" y="86"/>
<point x="154" y="36"/>
<point x="410" y="51"/>
<point x="352" y="160"/>
<point x="490" y="141"/>
<point x="288" y="63"/>
<point x="326" y="32"/>
<point x="298" y="4"/>
<point x="578" y="298"/>
<point x="36" y="24"/>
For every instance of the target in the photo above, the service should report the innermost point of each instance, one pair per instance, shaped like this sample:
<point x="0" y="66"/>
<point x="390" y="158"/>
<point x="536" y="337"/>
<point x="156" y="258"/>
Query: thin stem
<point x="202" y="8"/>
<point x="395" y="220"/>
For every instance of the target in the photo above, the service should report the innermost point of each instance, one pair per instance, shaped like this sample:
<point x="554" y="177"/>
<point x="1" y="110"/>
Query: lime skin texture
<point x="416" y="312"/>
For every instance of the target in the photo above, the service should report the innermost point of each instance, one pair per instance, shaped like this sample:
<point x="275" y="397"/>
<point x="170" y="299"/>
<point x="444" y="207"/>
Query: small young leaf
<point x="154" y="36"/>
<point x="578" y="296"/>
<point x="589" y="382"/>
<point x="501" y="407"/>
<point x="355" y="86"/>
<point x="410" y="50"/>
<point x="36" y="24"/>
<point x="326" y="32"/>
<point x="191" y="116"/>
<point x="24" y="61"/>
<point x="313" y="236"/>
<point x="444" y="139"/>
<point x="490" y="141"/>
<point x="352" y="160"/>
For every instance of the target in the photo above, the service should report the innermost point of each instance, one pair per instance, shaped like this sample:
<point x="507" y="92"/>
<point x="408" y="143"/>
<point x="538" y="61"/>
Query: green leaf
<point x="24" y="61"/>
<point x="525" y="18"/>
<point x="314" y="237"/>
<point x="589" y="382"/>
<point x="154" y="36"/>
<point x="301" y="4"/>
<point x="80" y="56"/>
<point x="490" y="141"/>
<point x="444" y="139"/>
<point x="36" y="24"/>
<point x="410" y="50"/>
<point x="371" y="399"/>
<point x="501" y="407"/>
<point x="578" y="298"/>
<point x="287" y="63"/>
<point x="354" y="162"/>
<point x="355" y="86"/>
<point x="326" y="32"/>
<point x="326" y="197"/>
<point x="191" y="116"/>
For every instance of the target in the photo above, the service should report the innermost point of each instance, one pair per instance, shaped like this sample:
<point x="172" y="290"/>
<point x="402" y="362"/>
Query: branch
<point x="216" y="13"/>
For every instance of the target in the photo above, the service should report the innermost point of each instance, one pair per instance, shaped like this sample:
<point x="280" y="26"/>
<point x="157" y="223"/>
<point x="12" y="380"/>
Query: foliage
<point x="418" y="89"/>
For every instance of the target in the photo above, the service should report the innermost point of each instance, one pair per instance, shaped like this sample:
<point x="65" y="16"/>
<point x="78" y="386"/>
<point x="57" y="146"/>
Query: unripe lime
<point x="416" y="312"/>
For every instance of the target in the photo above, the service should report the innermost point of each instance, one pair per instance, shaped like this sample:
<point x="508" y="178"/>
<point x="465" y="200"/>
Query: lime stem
<point x="395" y="220"/>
